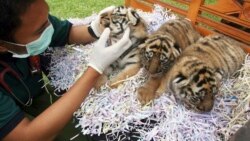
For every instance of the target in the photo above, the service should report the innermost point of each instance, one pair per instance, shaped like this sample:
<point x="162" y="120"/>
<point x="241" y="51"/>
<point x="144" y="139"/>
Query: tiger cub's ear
<point x="176" y="50"/>
<point x="133" y="17"/>
<point x="105" y="19"/>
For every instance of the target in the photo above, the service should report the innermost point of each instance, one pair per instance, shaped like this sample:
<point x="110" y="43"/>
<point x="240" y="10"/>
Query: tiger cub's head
<point x="122" y="18"/>
<point x="164" y="46"/>
<point x="198" y="90"/>
<point x="158" y="52"/>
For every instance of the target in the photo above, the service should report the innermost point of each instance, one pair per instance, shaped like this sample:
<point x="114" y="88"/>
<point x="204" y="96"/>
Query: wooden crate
<point x="232" y="12"/>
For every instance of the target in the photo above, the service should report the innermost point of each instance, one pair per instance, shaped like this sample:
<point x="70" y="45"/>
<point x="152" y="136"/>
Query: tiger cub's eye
<point x="162" y="57"/>
<point x="183" y="95"/>
<point x="149" y="54"/>
<point x="195" y="100"/>
<point x="202" y="93"/>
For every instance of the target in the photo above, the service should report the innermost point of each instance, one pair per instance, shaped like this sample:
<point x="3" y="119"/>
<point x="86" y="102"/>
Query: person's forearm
<point x="53" y="119"/>
<point x="80" y="35"/>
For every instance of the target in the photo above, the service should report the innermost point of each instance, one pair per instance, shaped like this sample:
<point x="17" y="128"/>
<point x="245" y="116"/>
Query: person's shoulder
<point x="55" y="20"/>
<point x="61" y="31"/>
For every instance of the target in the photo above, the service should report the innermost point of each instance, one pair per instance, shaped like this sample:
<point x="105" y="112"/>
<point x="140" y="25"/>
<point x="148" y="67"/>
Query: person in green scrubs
<point x="26" y="31"/>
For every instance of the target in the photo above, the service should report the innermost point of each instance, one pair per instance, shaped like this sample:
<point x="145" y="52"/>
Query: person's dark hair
<point x="10" y="12"/>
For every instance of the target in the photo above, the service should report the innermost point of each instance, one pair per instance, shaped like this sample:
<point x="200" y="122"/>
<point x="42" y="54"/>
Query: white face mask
<point x="33" y="48"/>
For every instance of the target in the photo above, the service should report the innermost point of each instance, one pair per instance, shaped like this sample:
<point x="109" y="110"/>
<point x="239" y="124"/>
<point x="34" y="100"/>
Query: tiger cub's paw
<point x="145" y="95"/>
<point x="159" y="92"/>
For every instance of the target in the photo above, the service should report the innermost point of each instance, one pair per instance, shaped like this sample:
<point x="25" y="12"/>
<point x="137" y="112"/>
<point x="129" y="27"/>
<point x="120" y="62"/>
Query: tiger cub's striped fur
<point x="196" y="75"/>
<point x="128" y="64"/>
<point x="160" y="50"/>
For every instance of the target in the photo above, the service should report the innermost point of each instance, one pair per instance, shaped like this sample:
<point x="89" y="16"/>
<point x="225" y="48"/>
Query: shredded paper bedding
<point x="112" y="111"/>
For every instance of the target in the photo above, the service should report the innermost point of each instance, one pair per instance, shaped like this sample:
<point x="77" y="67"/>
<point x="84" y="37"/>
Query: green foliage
<point x="79" y="8"/>
<point x="176" y="3"/>
<point x="82" y="8"/>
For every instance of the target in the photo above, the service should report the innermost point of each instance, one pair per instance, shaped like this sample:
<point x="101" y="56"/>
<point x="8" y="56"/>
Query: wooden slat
<point x="225" y="7"/>
<point x="226" y="29"/>
<point x="187" y="2"/>
<point x="194" y="10"/>
<point x="245" y="14"/>
<point x="229" y="18"/>
<point x="203" y="31"/>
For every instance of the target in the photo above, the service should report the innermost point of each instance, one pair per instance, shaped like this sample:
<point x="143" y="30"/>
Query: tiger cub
<point x="160" y="50"/>
<point x="128" y="64"/>
<point x="196" y="75"/>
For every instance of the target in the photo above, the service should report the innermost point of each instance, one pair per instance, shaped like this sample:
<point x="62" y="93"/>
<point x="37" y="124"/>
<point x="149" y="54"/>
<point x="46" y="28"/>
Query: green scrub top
<point x="10" y="110"/>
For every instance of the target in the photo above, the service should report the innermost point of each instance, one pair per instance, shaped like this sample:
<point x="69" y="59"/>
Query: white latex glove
<point x="102" y="56"/>
<point x="95" y="25"/>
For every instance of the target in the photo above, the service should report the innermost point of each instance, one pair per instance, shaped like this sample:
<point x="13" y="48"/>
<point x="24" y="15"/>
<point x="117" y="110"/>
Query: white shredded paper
<point x="109" y="111"/>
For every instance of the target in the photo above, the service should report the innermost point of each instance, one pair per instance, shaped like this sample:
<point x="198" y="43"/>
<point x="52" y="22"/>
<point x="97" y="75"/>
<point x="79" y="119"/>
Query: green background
<point x="81" y="8"/>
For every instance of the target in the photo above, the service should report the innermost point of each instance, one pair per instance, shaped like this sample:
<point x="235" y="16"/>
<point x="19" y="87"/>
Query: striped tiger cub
<point x="128" y="64"/>
<point x="160" y="50"/>
<point x="195" y="77"/>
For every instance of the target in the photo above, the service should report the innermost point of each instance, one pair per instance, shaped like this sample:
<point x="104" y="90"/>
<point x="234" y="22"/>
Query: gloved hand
<point x="103" y="56"/>
<point x="95" y="25"/>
